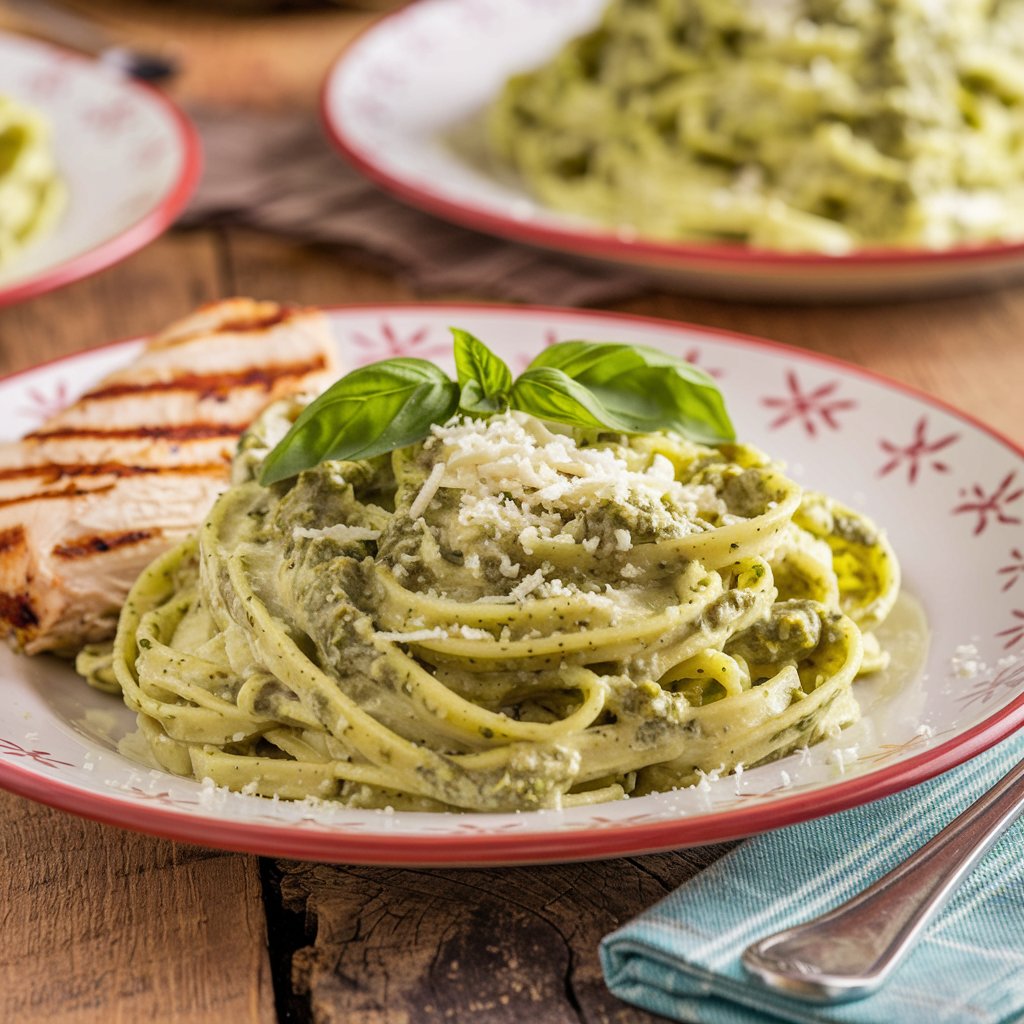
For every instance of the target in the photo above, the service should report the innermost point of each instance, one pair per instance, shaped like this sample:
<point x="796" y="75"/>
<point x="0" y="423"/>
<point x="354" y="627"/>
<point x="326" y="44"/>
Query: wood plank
<point x="147" y="291"/>
<point x="390" y="946"/>
<point x="101" y="924"/>
<point x="267" y="267"/>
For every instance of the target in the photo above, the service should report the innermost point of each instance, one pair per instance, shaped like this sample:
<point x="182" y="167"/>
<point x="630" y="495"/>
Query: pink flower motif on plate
<point x="694" y="357"/>
<point x="523" y="359"/>
<point x="470" y="829"/>
<point x="476" y="16"/>
<point x="48" y="82"/>
<point x="42" y="405"/>
<point x="1008" y="679"/>
<point x="161" y="797"/>
<point x="600" y="821"/>
<point x="389" y="344"/>
<point x="1013" y="570"/>
<point x="1015" y="632"/>
<point x="112" y="117"/>
<point x="12" y="749"/>
<point x="919" y="451"/>
<point x="809" y="408"/>
<point x="151" y="152"/>
<point x="370" y="106"/>
<point x="992" y="507"/>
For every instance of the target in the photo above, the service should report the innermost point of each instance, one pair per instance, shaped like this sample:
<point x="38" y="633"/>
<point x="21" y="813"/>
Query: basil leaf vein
<point x="484" y="379"/>
<point x="550" y="394"/>
<point x="644" y="388"/>
<point x="368" y="412"/>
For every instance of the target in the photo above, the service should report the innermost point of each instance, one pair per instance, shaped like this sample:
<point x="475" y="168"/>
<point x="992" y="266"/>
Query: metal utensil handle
<point x="70" y="28"/>
<point x="851" y="951"/>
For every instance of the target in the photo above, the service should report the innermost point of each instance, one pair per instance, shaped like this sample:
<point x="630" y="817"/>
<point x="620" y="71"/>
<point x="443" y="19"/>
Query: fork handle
<point x="851" y="951"/>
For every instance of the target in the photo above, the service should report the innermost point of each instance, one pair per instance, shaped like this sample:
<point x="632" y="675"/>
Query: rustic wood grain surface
<point x="101" y="925"/>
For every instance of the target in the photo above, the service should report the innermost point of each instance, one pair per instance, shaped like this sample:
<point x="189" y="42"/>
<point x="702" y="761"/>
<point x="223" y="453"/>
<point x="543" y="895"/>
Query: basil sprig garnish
<point x="605" y="385"/>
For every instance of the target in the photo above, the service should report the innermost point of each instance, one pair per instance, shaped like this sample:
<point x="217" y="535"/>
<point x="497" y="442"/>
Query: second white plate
<point x="402" y="93"/>
<point x="129" y="158"/>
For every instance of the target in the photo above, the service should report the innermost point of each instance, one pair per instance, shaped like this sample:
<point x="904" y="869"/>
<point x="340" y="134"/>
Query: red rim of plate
<point x="337" y="845"/>
<point x="720" y="257"/>
<point x="148" y="227"/>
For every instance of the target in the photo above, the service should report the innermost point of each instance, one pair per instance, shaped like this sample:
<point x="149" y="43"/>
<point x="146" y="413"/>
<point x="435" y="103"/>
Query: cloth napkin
<point x="278" y="173"/>
<point x="682" y="957"/>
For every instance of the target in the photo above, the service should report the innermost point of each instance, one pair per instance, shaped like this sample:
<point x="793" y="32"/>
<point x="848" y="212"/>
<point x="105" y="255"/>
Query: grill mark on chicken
<point x="68" y="492"/>
<point x="17" y="611"/>
<point x="258" y="323"/>
<point x="241" y="325"/>
<point x="213" y="385"/>
<point x="97" y="543"/>
<point x="173" y="432"/>
<point x="11" y="538"/>
<point x="51" y="472"/>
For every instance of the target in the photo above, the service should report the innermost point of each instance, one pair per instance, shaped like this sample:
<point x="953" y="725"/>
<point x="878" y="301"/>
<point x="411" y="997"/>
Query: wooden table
<point x="104" y="925"/>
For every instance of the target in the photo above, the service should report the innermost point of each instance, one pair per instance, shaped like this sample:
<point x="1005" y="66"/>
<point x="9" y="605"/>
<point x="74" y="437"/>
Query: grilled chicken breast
<point x="106" y="485"/>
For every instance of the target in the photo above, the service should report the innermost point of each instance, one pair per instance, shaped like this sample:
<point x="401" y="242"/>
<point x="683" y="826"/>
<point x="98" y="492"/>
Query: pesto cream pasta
<point x="791" y="124"/>
<point x="31" y="193"/>
<point x="503" y="617"/>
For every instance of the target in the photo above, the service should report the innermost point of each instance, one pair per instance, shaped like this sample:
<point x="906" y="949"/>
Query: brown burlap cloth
<point x="278" y="173"/>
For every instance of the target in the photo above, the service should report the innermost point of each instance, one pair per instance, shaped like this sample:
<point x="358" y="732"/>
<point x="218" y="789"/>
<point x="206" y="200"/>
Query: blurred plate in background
<point x="404" y="105"/>
<point x="128" y="156"/>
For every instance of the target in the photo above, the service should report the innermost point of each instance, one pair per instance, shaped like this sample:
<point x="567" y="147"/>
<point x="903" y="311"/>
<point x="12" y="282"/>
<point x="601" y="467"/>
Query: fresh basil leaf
<point x="549" y="394"/>
<point x="484" y="378"/>
<point x="367" y="412"/>
<point x="644" y="388"/>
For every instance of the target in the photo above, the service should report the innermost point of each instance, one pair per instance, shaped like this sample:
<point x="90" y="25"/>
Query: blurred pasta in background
<point x="32" y="194"/>
<point x="799" y="125"/>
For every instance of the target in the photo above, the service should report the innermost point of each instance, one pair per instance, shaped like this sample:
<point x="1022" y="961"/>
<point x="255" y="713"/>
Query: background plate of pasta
<point x="512" y="642"/>
<point x="808" y="151"/>
<point x="92" y="166"/>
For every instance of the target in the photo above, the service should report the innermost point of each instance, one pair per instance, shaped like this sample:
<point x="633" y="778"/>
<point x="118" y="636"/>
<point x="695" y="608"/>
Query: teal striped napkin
<point x="682" y="957"/>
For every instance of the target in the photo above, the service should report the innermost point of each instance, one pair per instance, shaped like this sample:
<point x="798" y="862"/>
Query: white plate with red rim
<point x="129" y="158"/>
<point x="949" y="491"/>
<point x="421" y="76"/>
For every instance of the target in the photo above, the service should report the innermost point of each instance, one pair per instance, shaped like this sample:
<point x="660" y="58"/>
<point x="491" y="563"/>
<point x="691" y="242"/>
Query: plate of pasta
<point x="796" y="151"/>
<point x="94" y="165"/>
<point x="517" y="621"/>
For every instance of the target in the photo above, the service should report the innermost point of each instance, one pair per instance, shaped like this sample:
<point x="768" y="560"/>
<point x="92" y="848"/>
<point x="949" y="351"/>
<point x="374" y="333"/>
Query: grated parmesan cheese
<point x="427" y="492"/>
<point x="414" y="636"/>
<point x="966" y="661"/>
<point x="508" y="568"/>
<point x="517" y="478"/>
<point x="527" y="586"/>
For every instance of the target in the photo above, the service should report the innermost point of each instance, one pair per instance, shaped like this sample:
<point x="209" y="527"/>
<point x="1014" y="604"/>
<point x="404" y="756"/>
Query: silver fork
<point x="852" y="950"/>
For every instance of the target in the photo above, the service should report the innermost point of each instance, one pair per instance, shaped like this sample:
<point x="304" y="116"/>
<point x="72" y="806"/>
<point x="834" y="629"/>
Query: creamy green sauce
<point x="502" y="618"/>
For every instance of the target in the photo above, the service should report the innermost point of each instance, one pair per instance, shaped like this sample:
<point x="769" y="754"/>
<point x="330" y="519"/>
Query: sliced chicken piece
<point x="106" y="485"/>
